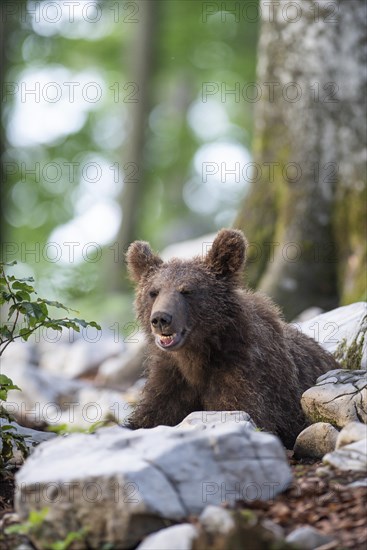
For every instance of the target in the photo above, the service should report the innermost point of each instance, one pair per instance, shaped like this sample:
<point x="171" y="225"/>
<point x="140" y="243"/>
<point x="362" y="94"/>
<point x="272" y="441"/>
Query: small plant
<point x="9" y="437"/>
<point x="34" y="524"/>
<point x="69" y="539"/>
<point x="350" y="357"/>
<point x="26" y="313"/>
<point x="65" y="429"/>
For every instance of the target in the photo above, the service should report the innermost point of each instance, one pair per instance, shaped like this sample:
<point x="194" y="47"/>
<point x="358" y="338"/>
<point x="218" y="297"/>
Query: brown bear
<point x="216" y="346"/>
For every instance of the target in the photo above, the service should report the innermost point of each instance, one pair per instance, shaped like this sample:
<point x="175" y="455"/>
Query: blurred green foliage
<point x="192" y="47"/>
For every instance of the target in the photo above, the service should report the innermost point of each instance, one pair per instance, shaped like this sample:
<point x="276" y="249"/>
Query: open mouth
<point x="169" y="341"/>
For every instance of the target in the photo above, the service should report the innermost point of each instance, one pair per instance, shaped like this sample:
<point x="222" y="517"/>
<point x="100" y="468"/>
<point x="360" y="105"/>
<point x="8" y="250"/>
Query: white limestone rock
<point x="332" y="328"/>
<point x="349" y="457"/>
<point x="354" y="431"/>
<point x="215" y="519"/>
<point x="339" y="397"/>
<point x="127" y="484"/>
<point x="307" y="538"/>
<point x="90" y="405"/>
<point x="85" y="355"/>
<point x="179" y="537"/>
<point x="39" y="401"/>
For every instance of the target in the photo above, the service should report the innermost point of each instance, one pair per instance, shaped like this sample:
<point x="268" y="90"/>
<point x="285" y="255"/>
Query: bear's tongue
<point x="167" y="340"/>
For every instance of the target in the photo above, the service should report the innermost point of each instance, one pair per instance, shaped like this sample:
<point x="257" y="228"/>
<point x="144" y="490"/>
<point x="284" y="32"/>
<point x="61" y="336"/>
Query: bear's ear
<point x="140" y="259"/>
<point x="227" y="255"/>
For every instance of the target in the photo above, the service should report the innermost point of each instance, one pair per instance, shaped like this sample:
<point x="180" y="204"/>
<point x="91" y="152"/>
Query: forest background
<point x="166" y="120"/>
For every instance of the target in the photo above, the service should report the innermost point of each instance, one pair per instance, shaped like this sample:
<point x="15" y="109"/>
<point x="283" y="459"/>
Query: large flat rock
<point x="123" y="485"/>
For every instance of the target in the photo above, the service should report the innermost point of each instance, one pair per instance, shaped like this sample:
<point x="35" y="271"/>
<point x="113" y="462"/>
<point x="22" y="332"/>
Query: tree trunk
<point x="133" y="155"/>
<point x="305" y="214"/>
<point x="2" y="130"/>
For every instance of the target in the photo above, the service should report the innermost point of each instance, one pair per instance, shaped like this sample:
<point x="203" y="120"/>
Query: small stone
<point x="274" y="528"/>
<point x="354" y="431"/>
<point x="179" y="537"/>
<point x="323" y="471"/>
<point x="316" y="440"/>
<point x="359" y="483"/>
<point x="203" y="418"/>
<point x="349" y="457"/>
<point x="215" y="519"/>
<point x="307" y="538"/>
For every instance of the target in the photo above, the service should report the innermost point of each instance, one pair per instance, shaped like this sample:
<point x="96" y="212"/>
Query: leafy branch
<point x="34" y="312"/>
<point x="26" y="313"/>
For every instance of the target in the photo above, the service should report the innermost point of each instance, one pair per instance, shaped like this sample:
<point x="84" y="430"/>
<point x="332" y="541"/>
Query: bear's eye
<point x="153" y="293"/>
<point x="185" y="291"/>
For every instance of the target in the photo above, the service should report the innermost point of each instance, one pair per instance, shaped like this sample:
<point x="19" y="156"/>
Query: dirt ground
<point x="323" y="502"/>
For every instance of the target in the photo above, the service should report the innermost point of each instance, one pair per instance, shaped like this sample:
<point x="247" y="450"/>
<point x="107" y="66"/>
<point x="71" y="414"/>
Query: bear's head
<point x="180" y="302"/>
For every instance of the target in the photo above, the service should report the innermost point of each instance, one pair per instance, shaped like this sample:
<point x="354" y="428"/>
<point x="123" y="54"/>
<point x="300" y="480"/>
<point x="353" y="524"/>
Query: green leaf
<point x="19" y="528"/>
<point x="13" y="387"/>
<point x="85" y="324"/>
<point x="53" y="303"/>
<point x="7" y="383"/>
<point x="53" y="325"/>
<point x="36" y="517"/>
<point x="19" y="285"/>
<point x="4" y="331"/>
<point x="5" y="380"/>
<point x="13" y="308"/>
<point x="95" y="325"/>
<point x="68" y="323"/>
<point x="22" y="296"/>
<point x="80" y="322"/>
<point x="35" y="310"/>
<point x="4" y="389"/>
<point x="25" y="333"/>
<point x="6" y="427"/>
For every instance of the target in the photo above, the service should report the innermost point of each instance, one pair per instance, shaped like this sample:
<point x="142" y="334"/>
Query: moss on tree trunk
<point x="305" y="214"/>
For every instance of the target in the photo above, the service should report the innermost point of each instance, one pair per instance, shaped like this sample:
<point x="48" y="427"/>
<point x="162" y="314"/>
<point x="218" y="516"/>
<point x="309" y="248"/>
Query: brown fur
<point x="234" y="350"/>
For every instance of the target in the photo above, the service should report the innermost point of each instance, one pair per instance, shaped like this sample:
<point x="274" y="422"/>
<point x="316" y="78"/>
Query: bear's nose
<point x="161" y="320"/>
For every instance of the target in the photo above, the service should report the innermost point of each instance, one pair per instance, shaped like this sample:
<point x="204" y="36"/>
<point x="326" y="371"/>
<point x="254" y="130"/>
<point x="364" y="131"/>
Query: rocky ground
<point x="79" y="386"/>
<point x="327" y="503"/>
